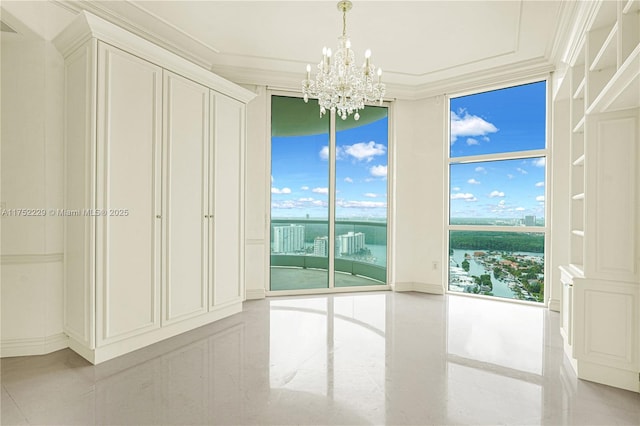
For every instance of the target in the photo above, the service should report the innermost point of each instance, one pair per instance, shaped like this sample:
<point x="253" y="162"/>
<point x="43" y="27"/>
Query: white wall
<point x="419" y="198"/>
<point x="32" y="170"/>
<point x="256" y="196"/>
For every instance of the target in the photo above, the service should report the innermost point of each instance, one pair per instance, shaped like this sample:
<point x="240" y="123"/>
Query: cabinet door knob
<point x="158" y="216"/>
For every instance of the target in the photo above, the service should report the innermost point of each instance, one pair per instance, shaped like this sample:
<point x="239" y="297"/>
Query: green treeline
<point x="497" y="241"/>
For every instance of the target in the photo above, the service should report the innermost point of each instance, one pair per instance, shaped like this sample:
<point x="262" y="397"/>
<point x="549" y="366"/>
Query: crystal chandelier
<point x="340" y="85"/>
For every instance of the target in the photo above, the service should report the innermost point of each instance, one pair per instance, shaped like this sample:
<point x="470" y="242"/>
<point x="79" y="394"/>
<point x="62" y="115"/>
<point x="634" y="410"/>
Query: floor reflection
<point x="364" y="358"/>
<point x="505" y="334"/>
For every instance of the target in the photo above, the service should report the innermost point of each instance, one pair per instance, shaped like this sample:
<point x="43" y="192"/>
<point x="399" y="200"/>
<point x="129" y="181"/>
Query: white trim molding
<point x="419" y="287"/>
<point x="21" y="259"/>
<point x="33" y="345"/>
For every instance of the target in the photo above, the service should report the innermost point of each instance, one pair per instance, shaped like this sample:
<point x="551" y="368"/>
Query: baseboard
<point x="33" y="346"/>
<point x="255" y="293"/>
<point x="419" y="287"/>
<point x="554" y="305"/>
<point x="406" y="286"/>
<point x="624" y="379"/>
<point x="428" y="288"/>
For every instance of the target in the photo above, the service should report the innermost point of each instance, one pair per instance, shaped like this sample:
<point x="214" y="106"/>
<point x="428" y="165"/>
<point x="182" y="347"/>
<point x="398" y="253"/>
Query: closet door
<point x="227" y="235"/>
<point x="129" y="132"/>
<point x="186" y="215"/>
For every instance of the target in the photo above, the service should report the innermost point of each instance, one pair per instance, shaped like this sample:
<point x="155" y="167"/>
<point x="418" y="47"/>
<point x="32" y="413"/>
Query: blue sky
<point x="506" y="120"/>
<point x="300" y="173"/>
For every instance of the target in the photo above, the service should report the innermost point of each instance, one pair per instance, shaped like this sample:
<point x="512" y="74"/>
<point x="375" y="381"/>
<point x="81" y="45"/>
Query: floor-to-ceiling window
<point x="497" y="187"/>
<point x="328" y="197"/>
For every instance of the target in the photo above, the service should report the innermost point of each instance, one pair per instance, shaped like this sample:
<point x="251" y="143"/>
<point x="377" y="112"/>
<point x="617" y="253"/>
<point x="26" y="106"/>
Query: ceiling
<point x="422" y="46"/>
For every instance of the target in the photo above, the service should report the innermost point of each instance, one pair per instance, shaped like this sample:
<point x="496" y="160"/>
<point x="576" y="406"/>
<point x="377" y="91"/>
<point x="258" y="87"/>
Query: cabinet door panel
<point x="128" y="149"/>
<point x="186" y="117"/>
<point x="228" y="170"/>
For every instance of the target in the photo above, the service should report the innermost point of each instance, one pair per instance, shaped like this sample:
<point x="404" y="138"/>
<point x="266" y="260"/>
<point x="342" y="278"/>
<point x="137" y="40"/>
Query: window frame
<point x="515" y="155"/>
<point x="331" y="288"/>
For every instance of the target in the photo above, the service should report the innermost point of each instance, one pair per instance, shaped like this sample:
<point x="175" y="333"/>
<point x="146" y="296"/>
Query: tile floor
<point x="364" y="358"/>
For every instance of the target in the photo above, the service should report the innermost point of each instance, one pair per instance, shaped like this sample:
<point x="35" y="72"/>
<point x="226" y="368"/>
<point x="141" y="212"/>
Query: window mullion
<point x="332" y="198"/>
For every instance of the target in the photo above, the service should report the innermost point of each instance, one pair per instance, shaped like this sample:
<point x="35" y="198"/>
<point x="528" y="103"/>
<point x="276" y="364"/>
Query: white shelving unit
<point x="601" y="280"/>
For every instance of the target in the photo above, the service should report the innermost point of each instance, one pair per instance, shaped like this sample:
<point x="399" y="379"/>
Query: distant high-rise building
<point x="350" y="243"/>
<point x="529" y="221"/>
<point x="321" y="246"/>
<point x="288" y="239"/>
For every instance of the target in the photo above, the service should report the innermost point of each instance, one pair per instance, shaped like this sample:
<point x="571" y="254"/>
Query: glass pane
<point x="505" y="120"/>
<point x="361" y="199"/>
<point x="299" y="195"/>
<point x="500" y="193"/>
<point x="501" y="264"/>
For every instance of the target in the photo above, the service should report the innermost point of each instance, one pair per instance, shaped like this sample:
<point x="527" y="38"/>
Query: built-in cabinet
<point x="154" y="149"/>
<point x="601" y="282"/>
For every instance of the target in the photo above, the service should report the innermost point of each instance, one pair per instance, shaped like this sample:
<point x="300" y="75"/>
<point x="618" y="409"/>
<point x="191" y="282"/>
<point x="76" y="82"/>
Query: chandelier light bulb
<point x="340" y="86"/>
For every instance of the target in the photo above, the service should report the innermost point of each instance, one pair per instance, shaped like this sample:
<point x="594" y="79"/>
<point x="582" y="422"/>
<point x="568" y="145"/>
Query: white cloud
<point x="364" y="151"/>
<point x="472" y="141"/>
<point x="455" y="188"/>
<point x="378" y="171"/>
<point x="304" y="188"/>
<point x="320" y="190"/>
<point x="480" y="169"/>
<point x="523" y="171"/>
<point x="275" y="190"/>
<point x="297" y="204"/>
<point x="539" y="162"/>
<point x="361" y="204"/>
<point x="464" y="196"/>
<point x="502" y="203"/>
<point x="496" y="194"/>
<point x="472" y="181"/>
<point x="324" y="153"/>
<point x="520" y="209"/>
<point x="539" y="184"/>
<point x="540" y="198"/>
<point x="348" y="179"/>
<point x="465" y="124"/>
<point x="371" y="195"/>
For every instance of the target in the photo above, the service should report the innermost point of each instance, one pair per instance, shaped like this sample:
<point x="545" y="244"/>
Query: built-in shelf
<point x="578" y="232"/>
<point x="579" y="161"/>
<point x="622" y="90"/>
<point x="579" y="196"/>
<point x="606" y="56"/>
<point x="631" y="6"/>
<point x="579" y="128"/>
<point x="579" y="93"/>
<point x="577" y="269"/>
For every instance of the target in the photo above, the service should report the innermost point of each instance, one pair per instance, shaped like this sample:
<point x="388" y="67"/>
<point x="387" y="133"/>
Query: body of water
<point x="500" y="288"/>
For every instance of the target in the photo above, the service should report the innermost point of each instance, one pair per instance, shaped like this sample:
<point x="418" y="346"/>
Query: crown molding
<point x="514" y="73"/>
<point x="101" y="11"/>
<point x="583" y="13"/>
<point x="562" y="31"/>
